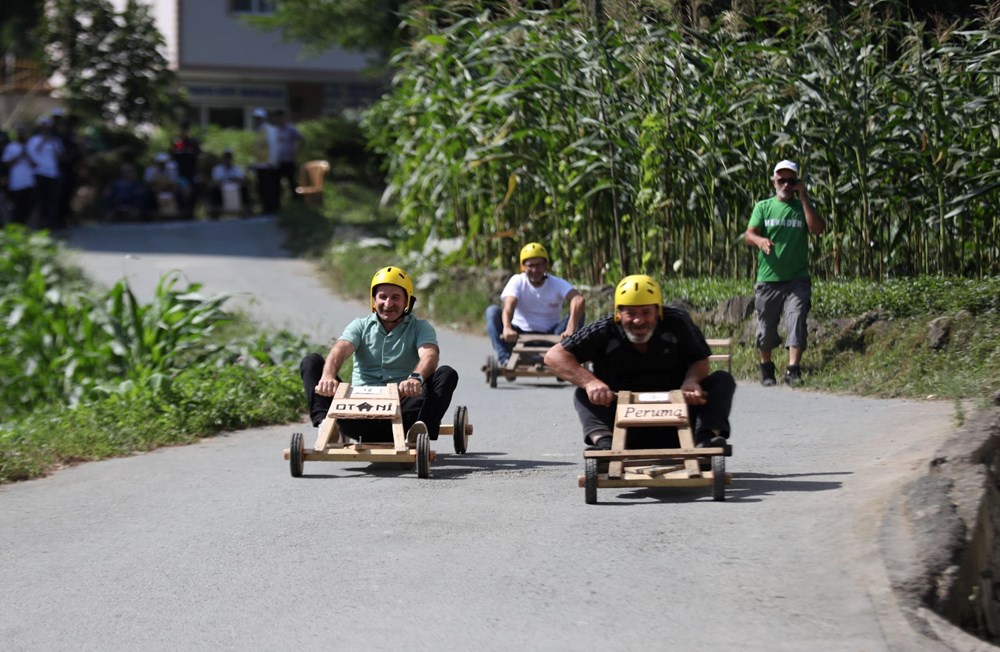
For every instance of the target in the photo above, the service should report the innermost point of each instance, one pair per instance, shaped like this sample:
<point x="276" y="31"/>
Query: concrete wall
<point x="211" y="36"/>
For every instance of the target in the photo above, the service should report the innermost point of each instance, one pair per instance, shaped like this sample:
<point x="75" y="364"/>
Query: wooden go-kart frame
<point x="654" y="467"/>
<point x="525" y="359"/>
<point x="377" y="402"/>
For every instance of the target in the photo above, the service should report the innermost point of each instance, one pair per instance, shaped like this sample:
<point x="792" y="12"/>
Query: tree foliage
<point x="370" y="26"/>
<point x="110" y="62"/>
<point x="18" y="21"/>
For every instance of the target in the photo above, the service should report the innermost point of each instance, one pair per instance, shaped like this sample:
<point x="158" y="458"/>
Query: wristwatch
<point x="417" y="376"/>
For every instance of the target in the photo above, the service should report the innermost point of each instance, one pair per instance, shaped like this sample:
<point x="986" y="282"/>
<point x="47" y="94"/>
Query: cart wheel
<point x="590" y="477"/>
<point x="492" y="369"/>
<point x="295" y="455"/>
<point x="423" y="455"/>
<point x="461" y="422"/>
<point x="718" y="477"/>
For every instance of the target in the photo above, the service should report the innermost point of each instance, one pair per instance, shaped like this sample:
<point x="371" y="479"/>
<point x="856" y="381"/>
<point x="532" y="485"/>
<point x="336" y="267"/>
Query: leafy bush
<point x="202" y="401"/>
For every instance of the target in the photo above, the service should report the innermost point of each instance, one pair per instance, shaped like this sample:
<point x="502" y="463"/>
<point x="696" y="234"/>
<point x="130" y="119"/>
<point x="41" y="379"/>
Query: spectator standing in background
<point x="20" y="177"/>
<point x="266" y="163"/>
<point x="64" y="128"/>
<point x="185" y="151"/>
<point x="45" y="151"/>
<point x="289" y="143"/>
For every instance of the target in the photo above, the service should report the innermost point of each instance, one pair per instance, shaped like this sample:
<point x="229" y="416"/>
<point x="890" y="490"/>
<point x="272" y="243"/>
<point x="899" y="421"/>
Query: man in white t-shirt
<point x="532" y="303"/>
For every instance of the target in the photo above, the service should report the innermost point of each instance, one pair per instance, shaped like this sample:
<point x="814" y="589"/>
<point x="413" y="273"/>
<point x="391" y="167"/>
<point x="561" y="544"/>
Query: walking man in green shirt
<point x="779" y="229"/>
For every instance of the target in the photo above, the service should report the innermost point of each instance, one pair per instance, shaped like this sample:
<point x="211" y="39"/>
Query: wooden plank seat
<point x="654" y="467"/>
<point x="334" y="442"/>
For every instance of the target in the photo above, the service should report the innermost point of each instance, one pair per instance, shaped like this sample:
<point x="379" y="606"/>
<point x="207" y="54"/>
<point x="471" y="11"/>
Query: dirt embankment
<point x="941" y="538"/>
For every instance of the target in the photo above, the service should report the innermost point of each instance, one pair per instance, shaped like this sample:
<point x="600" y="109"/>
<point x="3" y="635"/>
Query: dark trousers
<point x="47" y="194"/>
<point x="268" y="190"/>
<point x="23" y="202"/>
<point x="714" y="415"/>
<point x="429" y="407"/>
<point x="287" y="171"/>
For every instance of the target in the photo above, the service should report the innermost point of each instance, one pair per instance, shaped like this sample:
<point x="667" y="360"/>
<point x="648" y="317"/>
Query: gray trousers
<point x="794" y="299"/>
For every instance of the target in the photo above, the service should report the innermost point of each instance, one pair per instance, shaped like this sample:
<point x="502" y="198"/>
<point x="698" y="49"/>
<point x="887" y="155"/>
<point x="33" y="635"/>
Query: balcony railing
<point x="22" y="75"/>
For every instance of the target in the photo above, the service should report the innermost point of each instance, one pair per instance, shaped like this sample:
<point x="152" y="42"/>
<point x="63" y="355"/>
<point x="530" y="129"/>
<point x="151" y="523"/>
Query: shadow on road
<point x="745" y="488"/>
<point x="455" y="467"/>
<point x="257" y="237"/>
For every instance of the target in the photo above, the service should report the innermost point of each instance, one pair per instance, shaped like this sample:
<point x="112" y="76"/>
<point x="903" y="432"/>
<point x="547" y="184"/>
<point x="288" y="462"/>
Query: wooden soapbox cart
<point x="525" y="359"/>
<point x="654" y="467"/>
<point x="412" y="448"/>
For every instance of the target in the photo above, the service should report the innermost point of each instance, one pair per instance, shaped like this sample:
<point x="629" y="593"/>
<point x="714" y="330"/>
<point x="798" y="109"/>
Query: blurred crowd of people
<point x="40" y="174"/>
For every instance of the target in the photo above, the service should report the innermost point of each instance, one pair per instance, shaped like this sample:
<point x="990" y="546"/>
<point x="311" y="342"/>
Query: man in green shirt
<point x="389" y="346"/>
<point x="779" y="229"/>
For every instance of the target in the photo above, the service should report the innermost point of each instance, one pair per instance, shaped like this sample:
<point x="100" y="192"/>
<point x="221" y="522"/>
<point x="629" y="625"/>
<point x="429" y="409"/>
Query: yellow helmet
<point x="533" y="250"/>
<point x="393" y="276"/>
<point x="638" y="290"/>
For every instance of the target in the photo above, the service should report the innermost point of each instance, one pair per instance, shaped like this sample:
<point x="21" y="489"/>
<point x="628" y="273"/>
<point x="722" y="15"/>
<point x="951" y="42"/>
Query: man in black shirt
<point x="644" y="347"/>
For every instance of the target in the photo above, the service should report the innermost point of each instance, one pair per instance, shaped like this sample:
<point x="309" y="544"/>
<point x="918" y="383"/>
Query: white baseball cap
<point x="786" y="165"/>
<point x="260" y="113"/>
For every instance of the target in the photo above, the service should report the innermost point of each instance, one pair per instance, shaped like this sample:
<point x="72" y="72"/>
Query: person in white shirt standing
<point x="45" y="150"/>
<point x="532" y="303"/>
<point x="21" y="179"/>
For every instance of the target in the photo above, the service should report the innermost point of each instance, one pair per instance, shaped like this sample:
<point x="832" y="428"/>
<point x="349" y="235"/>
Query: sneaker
<point x="602" y="443"/>
<point x="767" y="374"/>
<point x="709" y="439"/>
<point x="793" y="376"/>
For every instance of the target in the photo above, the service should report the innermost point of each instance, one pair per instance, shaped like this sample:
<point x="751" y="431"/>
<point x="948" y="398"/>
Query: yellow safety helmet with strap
<point x="638" y="290"/>
<point x="533" y="250"/>
<point x="393" y="276"/>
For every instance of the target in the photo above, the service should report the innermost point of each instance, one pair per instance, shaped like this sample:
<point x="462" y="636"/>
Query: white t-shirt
<point x="538" y="310"/>
<point x="22" y="173"/>
<point x="45" y="153"/>
<point x="221" y="173"/>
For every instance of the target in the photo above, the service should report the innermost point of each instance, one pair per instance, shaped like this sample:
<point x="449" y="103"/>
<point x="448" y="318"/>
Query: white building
<point x="228" y="67"/>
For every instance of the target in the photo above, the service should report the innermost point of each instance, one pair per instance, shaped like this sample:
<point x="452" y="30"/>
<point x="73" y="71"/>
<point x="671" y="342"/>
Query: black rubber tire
<point x="295" y="455"/>
<point x="492" y="369"/>
<point x="423" y="455"/>
<point x="461" y="421"/>
<point x="590" y="480"/>
<point x="718" y="477"/>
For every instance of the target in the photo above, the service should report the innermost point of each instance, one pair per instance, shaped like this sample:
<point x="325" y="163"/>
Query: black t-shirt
<point x="676" y="344"/>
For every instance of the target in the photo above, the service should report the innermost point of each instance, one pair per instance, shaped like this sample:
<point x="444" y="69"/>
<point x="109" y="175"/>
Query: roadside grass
<point x="891" y="358"/>
<point x="202" y="402"/>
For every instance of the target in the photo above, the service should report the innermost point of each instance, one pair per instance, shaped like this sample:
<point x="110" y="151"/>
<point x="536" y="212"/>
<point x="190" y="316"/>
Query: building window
<point x="227" y="118"/>
<point x="259" y="7"/>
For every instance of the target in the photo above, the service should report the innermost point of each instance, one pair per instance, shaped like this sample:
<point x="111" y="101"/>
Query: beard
<point x="638" y="338"/>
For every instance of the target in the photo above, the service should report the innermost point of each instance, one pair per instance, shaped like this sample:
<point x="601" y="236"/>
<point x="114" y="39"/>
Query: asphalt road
<point x="214" y="546"/>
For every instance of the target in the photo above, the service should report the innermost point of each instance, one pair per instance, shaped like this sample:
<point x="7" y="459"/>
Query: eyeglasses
<point x="788" y="181"/>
